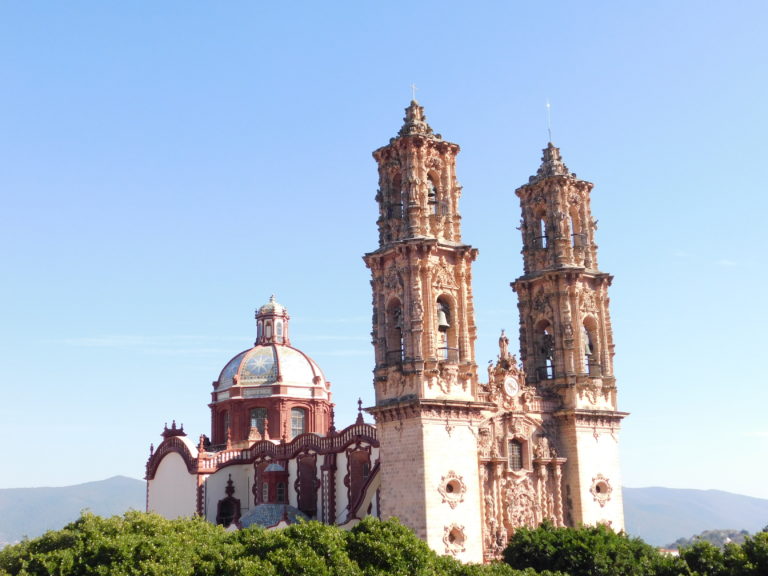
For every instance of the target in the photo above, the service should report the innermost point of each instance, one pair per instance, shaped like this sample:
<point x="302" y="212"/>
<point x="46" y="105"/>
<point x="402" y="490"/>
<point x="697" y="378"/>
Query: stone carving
<point x="417" y="310"/>
<point x="484" y="443"/>
<point x="541" y="301"/>
<point x="392" y="280"/>
<point x="452" y="489"/>
<point x="435" y="163"/>
<point x="443" y="279"/>
<point x="601" y="489"/>
<point x="454" y="539"/>
<point x="588" y="301"/>
<point x="503" y="346"/>
<point x="543" y="449"/>
<point x="395" y="383"/>
<point x="520" y="501"/>
<point x="448" y="377"/>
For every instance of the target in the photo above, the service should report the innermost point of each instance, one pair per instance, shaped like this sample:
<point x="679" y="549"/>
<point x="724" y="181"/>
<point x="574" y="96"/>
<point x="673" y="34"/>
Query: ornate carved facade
<point x="463" y="461"/>
<point x="538" y="441"/>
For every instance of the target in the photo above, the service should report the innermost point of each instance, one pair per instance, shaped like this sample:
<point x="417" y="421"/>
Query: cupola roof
<point x="271" y="307"/>
<point x="551" y="165"/>
<point x="415" y="121"/>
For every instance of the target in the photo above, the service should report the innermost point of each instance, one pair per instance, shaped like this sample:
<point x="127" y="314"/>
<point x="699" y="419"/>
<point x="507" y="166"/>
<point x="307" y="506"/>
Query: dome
<point x="268" y="364"/>
<point x="272" y="367"/>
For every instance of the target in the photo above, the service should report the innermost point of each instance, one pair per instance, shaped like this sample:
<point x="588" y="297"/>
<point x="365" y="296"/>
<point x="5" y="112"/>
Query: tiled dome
<point x="267" y="364"/>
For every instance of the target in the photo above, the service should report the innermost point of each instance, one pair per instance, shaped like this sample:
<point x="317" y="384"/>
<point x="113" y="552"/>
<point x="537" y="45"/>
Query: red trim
<point x="167" y="446"/>
<point x="354" y="506"/>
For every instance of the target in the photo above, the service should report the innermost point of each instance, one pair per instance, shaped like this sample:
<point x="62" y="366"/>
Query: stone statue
<point x="503" y="346"/>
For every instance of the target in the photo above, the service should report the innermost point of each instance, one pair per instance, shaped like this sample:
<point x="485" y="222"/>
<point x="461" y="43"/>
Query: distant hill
<point x="662" y="515"/>
<point x="32" y="511"/>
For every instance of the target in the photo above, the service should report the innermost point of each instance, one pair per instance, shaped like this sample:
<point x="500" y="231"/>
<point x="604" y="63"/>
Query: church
<point x="461" y="458"/>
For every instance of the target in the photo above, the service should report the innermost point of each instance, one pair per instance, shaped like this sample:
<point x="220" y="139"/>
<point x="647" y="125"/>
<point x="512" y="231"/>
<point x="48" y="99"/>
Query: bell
<point x="587" y="342"/>
<point x="442" y="320"/>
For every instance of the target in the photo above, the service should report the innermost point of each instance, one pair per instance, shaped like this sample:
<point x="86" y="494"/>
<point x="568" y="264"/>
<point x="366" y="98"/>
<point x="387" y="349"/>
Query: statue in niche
<point x="542" y="449"/>
<point x="485" y="441"/>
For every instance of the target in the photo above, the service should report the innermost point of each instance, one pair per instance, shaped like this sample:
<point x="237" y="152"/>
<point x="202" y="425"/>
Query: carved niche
<point x="452" y="489"/>
<point x="454" y="539"/>
<point x="601" y="489"/>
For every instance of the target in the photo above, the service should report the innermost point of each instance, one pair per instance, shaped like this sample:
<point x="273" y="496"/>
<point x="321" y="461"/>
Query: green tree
<point x="139" y="544"/>
<point x="588" y="551"/>
<point x="755" y="549"/>
<point x="704" y="558"/>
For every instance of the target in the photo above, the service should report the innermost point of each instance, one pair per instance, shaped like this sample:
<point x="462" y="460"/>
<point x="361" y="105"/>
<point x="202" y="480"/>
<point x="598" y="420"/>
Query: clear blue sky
<point x="166" y="166"/>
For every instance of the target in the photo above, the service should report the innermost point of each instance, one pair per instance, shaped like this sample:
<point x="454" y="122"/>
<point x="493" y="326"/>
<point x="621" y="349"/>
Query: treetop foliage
<point x="599" y="551"/>
<point x="140" y="544"/>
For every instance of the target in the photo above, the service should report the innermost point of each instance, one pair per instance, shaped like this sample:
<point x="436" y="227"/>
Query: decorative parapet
<point x="207" y="462"/>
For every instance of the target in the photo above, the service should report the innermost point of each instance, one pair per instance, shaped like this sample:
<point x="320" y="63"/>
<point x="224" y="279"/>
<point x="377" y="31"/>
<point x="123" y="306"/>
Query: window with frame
<point x="259" y="419"/>
<point x="225" y="424"/>
<point x="431" y="195"/>
<point x="298" y="421"/>
<point x="515" y="455"/>
<point x="280" y="492"/>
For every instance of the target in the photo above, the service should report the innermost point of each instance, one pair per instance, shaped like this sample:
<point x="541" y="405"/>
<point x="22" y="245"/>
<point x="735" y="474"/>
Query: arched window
<point x="540" y="240"/>
<point x="545" y="351"/>
<point x="279" y="330"/>
<point x="447" y="349"/>
<point x="395" y="204"/>
<point x="268" y="330"/>
<point x="394" y="342"/>
<point x="259" y="419"/>
<point x="224" y="425"/>
<point x="259" y="329"/>
<point x="515" y="456"/>
<point x="575" y="232"/>
<point x="298" y="421"/>
<point x="431" y="195"/>
<point x="589" y="348"/>
<point x="227" y="510"/>
<point x="280" y="492"/>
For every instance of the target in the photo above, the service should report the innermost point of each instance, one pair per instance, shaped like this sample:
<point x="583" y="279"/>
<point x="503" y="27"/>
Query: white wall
<point x="173" y="490"/>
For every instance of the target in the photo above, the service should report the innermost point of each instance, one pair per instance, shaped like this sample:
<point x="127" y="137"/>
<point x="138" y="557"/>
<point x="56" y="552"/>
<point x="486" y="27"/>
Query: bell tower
<point x="566" y="339"/>
<point x="423" y="334"/>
